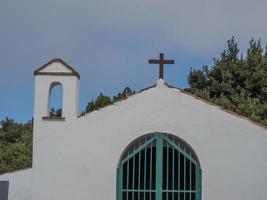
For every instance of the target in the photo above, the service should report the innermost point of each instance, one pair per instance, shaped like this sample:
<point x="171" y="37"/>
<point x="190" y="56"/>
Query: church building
<point x="158" y="144"/>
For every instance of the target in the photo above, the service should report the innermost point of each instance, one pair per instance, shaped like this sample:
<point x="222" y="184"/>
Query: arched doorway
<point x="159" y="166"/>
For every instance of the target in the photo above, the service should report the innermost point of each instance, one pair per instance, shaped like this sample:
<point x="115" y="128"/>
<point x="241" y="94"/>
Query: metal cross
<point x="161" y="63"/>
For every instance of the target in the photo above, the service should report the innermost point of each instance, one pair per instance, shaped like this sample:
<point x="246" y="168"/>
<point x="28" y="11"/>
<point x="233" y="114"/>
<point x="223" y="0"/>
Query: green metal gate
<point x="159" y="166"/>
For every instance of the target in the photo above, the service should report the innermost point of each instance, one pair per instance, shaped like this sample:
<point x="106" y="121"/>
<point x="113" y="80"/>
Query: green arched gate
<point x="159" y="166"/>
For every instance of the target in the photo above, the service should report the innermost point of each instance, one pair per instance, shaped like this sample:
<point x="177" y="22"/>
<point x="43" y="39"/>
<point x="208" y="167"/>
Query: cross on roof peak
<point x="161" y="63"/>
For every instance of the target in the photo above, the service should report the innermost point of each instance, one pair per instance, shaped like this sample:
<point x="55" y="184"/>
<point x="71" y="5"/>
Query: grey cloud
<point x="111" y="40"/>
<point x="197" y="25"/>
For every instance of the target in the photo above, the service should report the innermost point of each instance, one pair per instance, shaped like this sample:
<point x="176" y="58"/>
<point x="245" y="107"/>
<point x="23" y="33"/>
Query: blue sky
<point x="109" y="42"/>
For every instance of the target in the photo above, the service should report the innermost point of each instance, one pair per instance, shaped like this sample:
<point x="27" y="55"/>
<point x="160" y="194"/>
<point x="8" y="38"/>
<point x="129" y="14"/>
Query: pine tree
<point x="235" y="82"/>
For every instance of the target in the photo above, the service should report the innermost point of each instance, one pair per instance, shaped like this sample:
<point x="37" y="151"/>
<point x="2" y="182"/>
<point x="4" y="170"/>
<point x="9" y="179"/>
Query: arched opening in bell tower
<point x="55" y="99"/>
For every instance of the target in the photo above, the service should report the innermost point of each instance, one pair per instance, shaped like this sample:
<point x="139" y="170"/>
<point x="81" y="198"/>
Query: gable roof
<point x="225" y="109"/>
<point x="72" y="72"/>
<point x="216" y="105"/>
<point x="194" y="96"/>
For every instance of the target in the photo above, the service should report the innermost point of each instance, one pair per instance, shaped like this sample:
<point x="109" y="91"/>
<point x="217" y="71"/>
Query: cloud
<point x="197" y="25"/>
<point x="109" y="42"/>
<point x="111" y="33"/>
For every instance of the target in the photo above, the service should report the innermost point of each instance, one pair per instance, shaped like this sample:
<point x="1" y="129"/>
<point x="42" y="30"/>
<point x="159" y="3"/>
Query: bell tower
<point x="56" y="72"/>
<point x="48" y="125"/>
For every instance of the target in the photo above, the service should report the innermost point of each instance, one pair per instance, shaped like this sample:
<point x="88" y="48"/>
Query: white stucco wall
<point x="77" y="158"/>
<point x="19" y="184"/>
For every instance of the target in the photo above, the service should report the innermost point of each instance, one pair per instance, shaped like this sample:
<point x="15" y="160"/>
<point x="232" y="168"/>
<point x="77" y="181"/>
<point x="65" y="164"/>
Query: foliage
<point x="234" y="82"/>
<point x="55" y="112"/>
<point x="15" y="145"/>
<point x="103" y="100"/>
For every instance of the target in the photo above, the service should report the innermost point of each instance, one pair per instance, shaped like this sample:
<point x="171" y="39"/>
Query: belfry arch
<point x="55" y="91"/>
<point x="159" y="166"/>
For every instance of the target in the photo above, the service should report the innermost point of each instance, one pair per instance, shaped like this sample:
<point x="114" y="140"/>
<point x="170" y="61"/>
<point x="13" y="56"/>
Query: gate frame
<point x="159" y="137"/>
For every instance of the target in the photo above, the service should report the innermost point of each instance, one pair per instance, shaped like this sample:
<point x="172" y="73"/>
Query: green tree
<point x="234" y="82"/>
<point x="15" y="145"/>
<point x="103" y="100"/>
<point x="55" y="112"/>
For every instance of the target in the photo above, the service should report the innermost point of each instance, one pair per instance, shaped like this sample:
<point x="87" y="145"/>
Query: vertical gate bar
<point x="127" y="187"/>
<point x="198" y="182"/>
<point x="167" y="166"/>
<point x="159" y="158"/>
<point x="139" y="173"/>
<point x="173" y="171"/>
<point x="133" y="176"/>
<point x="119" y="181"/>
<point x="179" y="178"/>
<point x="145" y="173"/>
<point x="150" y="173"/>
<point x="190" y="181"/>
<point x="184" y="176"/>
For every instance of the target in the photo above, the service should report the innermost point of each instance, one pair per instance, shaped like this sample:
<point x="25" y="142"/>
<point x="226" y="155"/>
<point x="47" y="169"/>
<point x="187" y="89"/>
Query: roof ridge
<point x="192" y="95"/>
<point x="217" y="105"/>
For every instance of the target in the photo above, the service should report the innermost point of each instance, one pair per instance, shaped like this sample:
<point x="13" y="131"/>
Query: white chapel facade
<point x="158" y="144"/>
